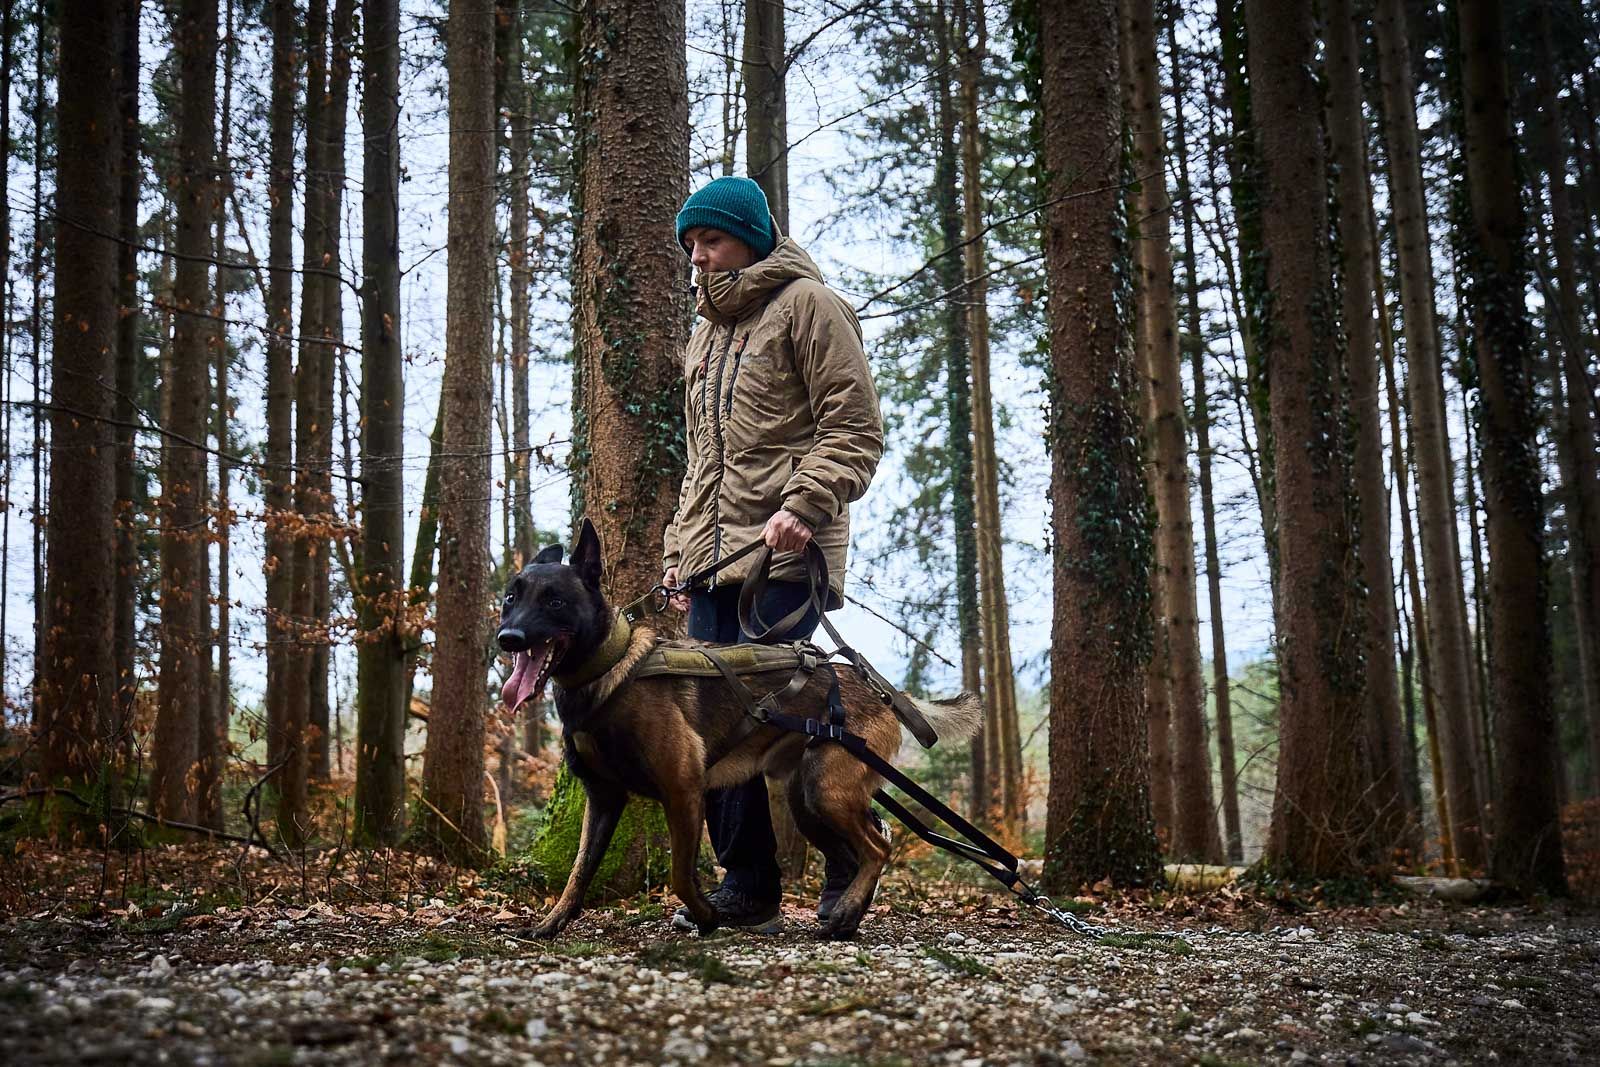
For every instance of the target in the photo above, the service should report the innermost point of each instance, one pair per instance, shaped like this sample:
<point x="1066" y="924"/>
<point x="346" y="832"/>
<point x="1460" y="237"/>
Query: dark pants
<point x="738" y="817"/>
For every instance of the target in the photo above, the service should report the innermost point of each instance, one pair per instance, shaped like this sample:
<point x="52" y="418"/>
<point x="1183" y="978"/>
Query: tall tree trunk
<point x="1000" y="695"/>
<point x="1397" y="824"/>
<point x="276" y="495"/>
<point x="1446" y="611"/>
<point x="77" y="676"/>
<point x="214" y="733"/>
<point x="7" y="40"/>
<point x="331" y="330"/>
<point x="381" y="654"/>
<point x="419" y="587"/>
<point x="1194" y="334"/>
<point x="628" y="312"/>
<point x="182" y="539"/>
<point x="125" y="578"/>
<point x="1575" y="436"/>
<point x="766" y="132"/>
<point x="520" y="103"/>
<point x="291" y="815"/>
<point x="452" y="769"/>
<point x="1527" y="851"/>
<point x="1098" y="812"/>
<point x="41" y="44"/>
<point x="1244" y="167"/>
<point x="958" y="407"/>
<point x="1194" y="820"/>
<point x="1321" y="813"/>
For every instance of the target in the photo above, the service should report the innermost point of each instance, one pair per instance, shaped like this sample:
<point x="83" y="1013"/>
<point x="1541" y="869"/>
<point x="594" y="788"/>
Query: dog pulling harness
<point x="732" y="662"/>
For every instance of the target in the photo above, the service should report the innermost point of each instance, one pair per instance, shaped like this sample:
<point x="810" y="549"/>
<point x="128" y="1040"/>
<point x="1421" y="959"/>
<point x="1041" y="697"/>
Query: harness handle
<point x="754" y="590"/>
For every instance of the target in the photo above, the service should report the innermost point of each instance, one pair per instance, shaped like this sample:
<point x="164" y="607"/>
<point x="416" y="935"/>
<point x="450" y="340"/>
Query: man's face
<point x="713" y="250"/>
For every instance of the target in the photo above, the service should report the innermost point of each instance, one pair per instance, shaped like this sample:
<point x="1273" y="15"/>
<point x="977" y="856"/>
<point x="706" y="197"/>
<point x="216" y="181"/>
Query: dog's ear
<point x="549" y="554"/>
<point x="586" y="555"/>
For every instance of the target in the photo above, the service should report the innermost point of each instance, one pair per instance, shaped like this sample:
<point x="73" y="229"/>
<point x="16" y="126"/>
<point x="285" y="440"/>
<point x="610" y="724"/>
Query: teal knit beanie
<point x="736" y="206"/>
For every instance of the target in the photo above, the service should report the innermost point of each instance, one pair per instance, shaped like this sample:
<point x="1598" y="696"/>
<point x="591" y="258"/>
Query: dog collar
<point x="602" y="659"/>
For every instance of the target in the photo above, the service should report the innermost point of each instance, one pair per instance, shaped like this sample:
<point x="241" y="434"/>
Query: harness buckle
<point x="762" y="710"/>
<point x="827" y="731"/>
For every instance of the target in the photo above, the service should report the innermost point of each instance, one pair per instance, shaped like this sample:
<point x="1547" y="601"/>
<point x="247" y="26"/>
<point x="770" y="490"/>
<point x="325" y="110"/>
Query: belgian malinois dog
<point x="672" y="737"/>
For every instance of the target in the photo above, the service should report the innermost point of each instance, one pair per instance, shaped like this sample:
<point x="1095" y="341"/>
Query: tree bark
<point x="1194" y="820"/>
<point x="994" y="612"/>
<point x="1397" y="825"/>
<point x="276" y="494"/>
<point x="1575" y="436"/>
<point x="453" y="765"/>
<point x="1321" y="813"/>
<point x="1446" y="611"/>
<point x="419" y="587"/>
<point x="1527" y="852"/>
<point x="125" y="578"/>
<point x="629" y="312"/>
<point x="381" y="653"/>
<point x="519" y="103"/>
<point x="78" y="674"/>
<point x="766" y="131"/>
<point x="958" y="412"/>
<point x="182" y="538"/>
<point x="1195" y="336"/>
<point x="1098" y="812"/>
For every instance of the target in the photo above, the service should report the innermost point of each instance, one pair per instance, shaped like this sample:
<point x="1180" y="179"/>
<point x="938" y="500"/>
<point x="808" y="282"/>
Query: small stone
<point x="160" y="968"/>
<point x="458" y="1044"/>
<point x="1073" y="1051"/>
<point x="1509" y="1003"/>
<point x="536" y="1029"/>
<point x="415" y="979"/>
<point x="684" y="1048"/>
<point x="1244" y="1033"/>
<point x="156" y="1004"/>
<point x="953" y="938"/>
<point x="1299" y="1056"/>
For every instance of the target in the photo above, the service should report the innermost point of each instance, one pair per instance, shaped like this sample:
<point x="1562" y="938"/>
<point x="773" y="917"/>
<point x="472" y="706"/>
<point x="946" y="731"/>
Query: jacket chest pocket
<point x="756" y="391"/>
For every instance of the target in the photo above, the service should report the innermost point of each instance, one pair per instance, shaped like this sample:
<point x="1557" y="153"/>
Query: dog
<point x="672" y="737"/>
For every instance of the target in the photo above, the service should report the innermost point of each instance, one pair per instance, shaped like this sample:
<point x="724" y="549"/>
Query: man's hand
<point x="785" y="532"/>
<point x="670" y="579"/>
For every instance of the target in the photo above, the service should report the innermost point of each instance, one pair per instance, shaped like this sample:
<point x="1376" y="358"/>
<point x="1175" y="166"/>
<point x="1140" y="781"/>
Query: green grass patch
<point x="1436" y="942"/>
<point x="578" y="950"/>
<point x="677" y="956"/>
<point x="647" y="913"/>
<point x="1521" y="981"/>
<point x="1173" y="946"/>
<point x="967" y="965"/>
<point x="1183" y="1021"/>
<point x="498" y="1020"/>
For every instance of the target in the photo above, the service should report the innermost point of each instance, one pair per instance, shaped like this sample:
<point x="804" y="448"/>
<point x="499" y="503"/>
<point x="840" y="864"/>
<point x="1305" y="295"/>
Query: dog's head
<point x="553" y="616"/>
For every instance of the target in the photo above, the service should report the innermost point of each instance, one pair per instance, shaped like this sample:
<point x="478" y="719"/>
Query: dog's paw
<point x="706" y="929"/>
<point x="838" y="928"/>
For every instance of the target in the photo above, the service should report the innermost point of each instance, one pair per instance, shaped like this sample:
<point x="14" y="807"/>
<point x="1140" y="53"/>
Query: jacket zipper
<point x="733" y="379"/>
<point x="717" y="438"/>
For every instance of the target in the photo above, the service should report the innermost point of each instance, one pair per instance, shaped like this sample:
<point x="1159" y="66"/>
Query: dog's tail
<point x="954" y="718"/>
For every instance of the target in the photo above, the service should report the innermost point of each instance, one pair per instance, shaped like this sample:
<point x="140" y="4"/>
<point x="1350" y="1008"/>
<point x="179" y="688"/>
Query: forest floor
<point x="196" y="955"/>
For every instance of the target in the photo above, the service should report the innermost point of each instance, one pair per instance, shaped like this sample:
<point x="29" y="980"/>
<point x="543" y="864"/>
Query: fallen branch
<point x="193" y="828"/>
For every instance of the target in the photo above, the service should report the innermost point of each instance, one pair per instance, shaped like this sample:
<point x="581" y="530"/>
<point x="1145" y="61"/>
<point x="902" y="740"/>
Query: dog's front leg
<point x="602" y="808"/>
<point x="685" y="812"/>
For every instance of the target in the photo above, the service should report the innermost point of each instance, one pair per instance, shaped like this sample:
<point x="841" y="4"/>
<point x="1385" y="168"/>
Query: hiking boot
<point x="738" y="909"/>
<point x="837" y="881"/>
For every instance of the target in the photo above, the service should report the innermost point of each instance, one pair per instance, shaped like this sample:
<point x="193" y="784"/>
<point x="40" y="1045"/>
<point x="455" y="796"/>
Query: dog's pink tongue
<point x="524" y="676"/>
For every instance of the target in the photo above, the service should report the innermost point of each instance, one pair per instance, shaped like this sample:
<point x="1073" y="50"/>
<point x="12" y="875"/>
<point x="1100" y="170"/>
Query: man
<point x="783" y="433"/>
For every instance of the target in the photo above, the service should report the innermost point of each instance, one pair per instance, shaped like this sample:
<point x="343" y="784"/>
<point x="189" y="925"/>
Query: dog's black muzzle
<point x="512" y="639"/>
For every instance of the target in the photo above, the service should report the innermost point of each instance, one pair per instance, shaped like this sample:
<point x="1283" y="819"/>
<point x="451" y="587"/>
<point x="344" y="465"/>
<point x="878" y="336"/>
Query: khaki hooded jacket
<point x="780" y="413"/>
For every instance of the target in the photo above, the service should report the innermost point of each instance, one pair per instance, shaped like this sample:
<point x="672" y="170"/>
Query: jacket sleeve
<point x="671" y="541"/>
<point x="844" y="404"/>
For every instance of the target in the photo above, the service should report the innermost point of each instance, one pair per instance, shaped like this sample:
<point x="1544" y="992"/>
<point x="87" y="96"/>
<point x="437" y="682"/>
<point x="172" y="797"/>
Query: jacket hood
<point x="728" y="295"/>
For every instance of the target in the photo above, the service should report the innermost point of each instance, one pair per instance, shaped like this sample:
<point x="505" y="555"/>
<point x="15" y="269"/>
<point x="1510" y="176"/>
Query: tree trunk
<point x="1397" y="826"/>
<point x="276" y="497"/>
<point x="766" y="132"/>
<point x="519" y="100"/>
<point x="1575" y="436"/>
<point x="1194" y="820"/>
<point x="419" y="587"/>
<point x="1321" y="813"/>
<point x="1195" y="336"/>
<point x="1441" y="559"/>
<point x="381" y="654"/>
<point x="330" y="310"/>
<point x="125" y="576"/>
<point x="452" y="769"/>
<point x="1527" y="851"/>
<point x="78" y="674"/>
<point x="291" y="815"/>
<point x="1243" y="170"/>
<point x="182" y="540"/>
<point x="994" y="611"/>
<point x="958" y="408"/>
<point x="1098" y="811"/>
<point x="629" y="314"/>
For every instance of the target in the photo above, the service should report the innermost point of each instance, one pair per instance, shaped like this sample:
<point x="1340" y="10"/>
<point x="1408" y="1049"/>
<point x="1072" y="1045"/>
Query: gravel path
<point x="961" y="981"/>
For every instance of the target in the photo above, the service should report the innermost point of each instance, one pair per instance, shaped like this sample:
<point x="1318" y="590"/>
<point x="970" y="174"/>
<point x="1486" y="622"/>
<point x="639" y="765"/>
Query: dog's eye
<point x="555" y="603"/>
<point x="511" y="598"/>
